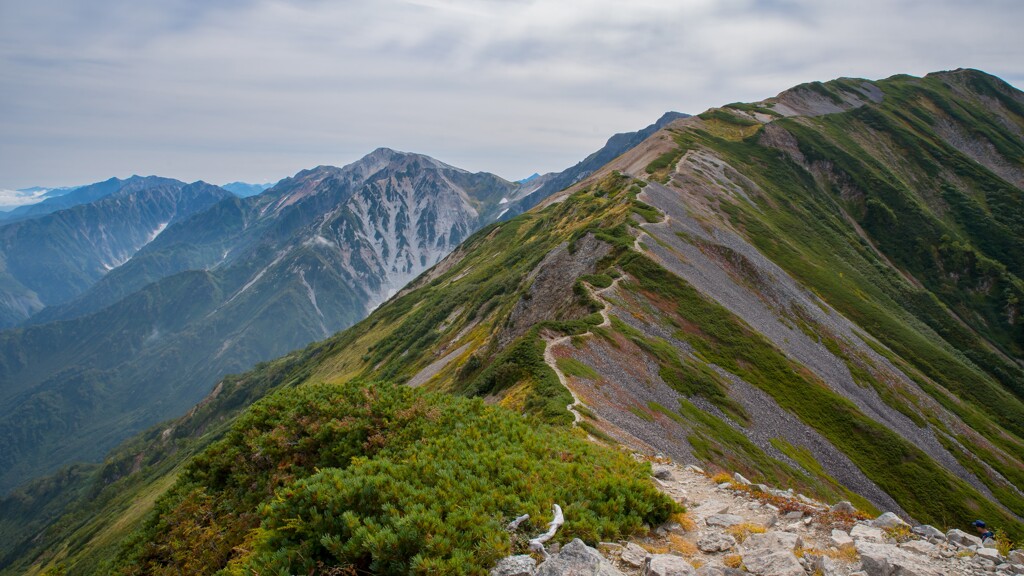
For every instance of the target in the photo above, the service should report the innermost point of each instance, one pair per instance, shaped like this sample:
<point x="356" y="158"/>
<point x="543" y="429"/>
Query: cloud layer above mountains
<point x="258" y="89"/>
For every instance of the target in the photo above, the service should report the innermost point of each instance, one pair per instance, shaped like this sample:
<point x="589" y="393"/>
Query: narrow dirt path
<point x="549" y="356"/>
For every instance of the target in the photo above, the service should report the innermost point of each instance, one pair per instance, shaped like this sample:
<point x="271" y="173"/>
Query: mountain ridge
<point x="772" y="304"/>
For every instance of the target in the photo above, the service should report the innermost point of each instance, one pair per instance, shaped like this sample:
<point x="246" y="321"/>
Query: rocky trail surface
<point x="733" y="528"/>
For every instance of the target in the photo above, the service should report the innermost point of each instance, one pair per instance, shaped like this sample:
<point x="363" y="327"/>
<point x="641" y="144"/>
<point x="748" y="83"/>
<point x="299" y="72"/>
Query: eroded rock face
<point x="551" y="286"/>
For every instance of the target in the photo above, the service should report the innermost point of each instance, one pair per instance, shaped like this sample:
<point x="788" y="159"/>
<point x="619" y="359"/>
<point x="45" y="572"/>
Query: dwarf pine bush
<point x="387" y="480"/>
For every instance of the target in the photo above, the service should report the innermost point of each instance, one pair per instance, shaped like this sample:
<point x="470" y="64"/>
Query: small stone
<point x="723" y="520"/>
<point x="843" y="507"/>
<point x="840" y="538"/>
<point x="662" y="472"/>
<point x="633" y="555"/>
<point x="1016" y="556"/>
<point x="989" y="543"/>
<point x="521" y="565"/>
<point x="668" y="565"/>
<point x="739" y="478"/>
<point x="696" y="469"/>
<point x="759" y="488"/>
<point x="794" y="515"/>
<point x="674" y="527"/>
<point x="888" y="520"/>
<point x="724" y="485"/>
<point x="716" y="543"/>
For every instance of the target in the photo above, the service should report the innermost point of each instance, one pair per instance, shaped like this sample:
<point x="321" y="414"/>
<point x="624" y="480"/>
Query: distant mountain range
<point x="52" y="258"/>
<point x="244" y="190"/>
<point x="129" y="313"/>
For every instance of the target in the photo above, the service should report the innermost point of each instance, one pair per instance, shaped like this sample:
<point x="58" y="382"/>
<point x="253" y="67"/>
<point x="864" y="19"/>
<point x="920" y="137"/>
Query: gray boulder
<point x="668" y="565"/>
<point x="843" y="506"/>
<point x="740" y="479"/>
<point x="1016" y="556"/>
<point x="662" y="472"/>
<point x="840" y="538"/>
<point x="633" y="555"/>
<point x="962" y="538"/>
<point x="865" y="532"/>
<point x="774" y="540"/>
<point x="888" y="560"/>
<point x="716" y="543"/>
<point x="928" y="532"/>
<point x="521" y="565"/>
<point x="888" y="520"/>
<point x="723" y="520"/>
<point x="919" y="546"/>
<point x="990" y="553"/>
<point x="771" y="553"/>
<point x="768" y="562"/>
<point x="719" y="571"/>
<point x="577" y="559"/>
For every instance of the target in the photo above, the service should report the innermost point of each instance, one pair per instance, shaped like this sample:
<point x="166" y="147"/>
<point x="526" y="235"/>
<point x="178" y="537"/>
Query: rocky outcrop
<point x="551" y="286"/>
<point x="735" y="530"/>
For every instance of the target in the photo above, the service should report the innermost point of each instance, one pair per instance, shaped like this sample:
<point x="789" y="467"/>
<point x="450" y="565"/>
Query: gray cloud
<point x="258" y="89"/>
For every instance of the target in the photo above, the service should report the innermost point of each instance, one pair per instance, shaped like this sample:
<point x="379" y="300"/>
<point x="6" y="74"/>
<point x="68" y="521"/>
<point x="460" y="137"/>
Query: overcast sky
<point x="256" y="90"/>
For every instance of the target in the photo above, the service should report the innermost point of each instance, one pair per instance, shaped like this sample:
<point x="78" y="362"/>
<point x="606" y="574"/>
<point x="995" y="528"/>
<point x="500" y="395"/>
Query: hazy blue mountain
<point x="54" y="258"/>
<point x="244" y="189"/>
<point x="63" y="198"/>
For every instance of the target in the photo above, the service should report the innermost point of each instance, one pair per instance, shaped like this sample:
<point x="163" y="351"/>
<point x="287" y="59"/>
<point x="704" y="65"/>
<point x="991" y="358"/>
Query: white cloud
<point x="14" y="198"/>
<point x="258" y="89"/>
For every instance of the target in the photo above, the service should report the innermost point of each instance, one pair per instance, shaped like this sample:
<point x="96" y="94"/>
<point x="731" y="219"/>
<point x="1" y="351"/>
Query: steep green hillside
<point x="821" y="290"/>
